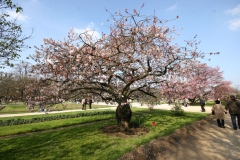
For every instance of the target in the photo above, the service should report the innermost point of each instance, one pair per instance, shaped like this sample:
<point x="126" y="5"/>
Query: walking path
<point x="205" y="141"/>
<point x="208" y="142"/>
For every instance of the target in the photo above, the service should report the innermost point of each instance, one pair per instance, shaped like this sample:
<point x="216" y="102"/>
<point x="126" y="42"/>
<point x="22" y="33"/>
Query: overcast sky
<point x="216" y="22"/>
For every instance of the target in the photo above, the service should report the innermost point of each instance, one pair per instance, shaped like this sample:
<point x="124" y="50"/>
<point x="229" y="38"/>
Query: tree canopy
<point x="12" y="40"/>
<point x="136" y="56"/>
<point x="204" y="81"/>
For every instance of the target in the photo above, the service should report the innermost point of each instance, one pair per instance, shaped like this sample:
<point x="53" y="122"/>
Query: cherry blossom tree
<point x="223" y="90"/>
<point x="172" y="90"/>
<point x="201" y="80"/>
<point x="135" y="56"/>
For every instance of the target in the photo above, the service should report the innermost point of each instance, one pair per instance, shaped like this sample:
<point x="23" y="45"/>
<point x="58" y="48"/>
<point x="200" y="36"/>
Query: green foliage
<point x="138" y="119"/>
<point x="20" y="121"/>
<point x="10" y="4"/>
<point x="11" y="39"/>
<point x="177" y="110"/>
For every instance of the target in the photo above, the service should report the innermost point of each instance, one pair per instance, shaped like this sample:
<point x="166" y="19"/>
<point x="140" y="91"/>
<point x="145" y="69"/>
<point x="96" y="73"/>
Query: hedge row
<point x="20" y="121"/>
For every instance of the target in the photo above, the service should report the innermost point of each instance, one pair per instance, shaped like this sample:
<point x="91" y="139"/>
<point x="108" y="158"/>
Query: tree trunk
<point x="192" y="100"/>
<point x="123" y="116"/>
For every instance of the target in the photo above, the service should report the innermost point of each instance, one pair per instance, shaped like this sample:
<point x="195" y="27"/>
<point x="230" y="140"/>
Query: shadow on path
<point x="202" y="140"/>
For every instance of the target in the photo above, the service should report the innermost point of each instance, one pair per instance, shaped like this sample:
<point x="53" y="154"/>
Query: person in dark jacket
<point x="202" y="104"/>
<point x="90" y="103"/>
<point x="233" y="106"/>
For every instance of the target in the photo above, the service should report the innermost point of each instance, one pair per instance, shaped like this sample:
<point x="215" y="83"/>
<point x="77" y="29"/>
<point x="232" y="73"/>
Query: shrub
<point x="49" y="118"/>
<point x="177" y="110"/>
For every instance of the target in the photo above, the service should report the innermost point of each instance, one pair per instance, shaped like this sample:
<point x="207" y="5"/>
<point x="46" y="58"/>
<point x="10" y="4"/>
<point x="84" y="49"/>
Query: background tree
<point x="20" y="72"/>
<point x="7" y="86"/>
<point x="223" y="90"/>
<point x="13" y="84"/>
<point x="149" y="100"/>
<point x="12" y="40"/>
<point x="201" y="80"/>
<point x="172" y="90"/>
<point x="136" y="56"/>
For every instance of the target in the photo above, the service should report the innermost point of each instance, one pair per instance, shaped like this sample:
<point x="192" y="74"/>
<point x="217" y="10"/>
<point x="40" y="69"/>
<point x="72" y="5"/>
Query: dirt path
<point x="202" y="140"/>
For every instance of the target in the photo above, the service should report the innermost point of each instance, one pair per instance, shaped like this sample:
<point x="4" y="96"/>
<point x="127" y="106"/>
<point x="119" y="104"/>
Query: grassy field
<point x="20" y="107"/>
<point x="85" y="141"/>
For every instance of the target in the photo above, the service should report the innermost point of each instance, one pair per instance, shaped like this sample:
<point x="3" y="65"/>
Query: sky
<point x="215" y="22"/>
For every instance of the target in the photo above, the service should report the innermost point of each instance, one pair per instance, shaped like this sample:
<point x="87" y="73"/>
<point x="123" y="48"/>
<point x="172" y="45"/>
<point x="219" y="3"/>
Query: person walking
<point x="202" y="104"/>
<point x="169" y="102"/>
<point x="83" y="104"/>
<point x="219" y="112"/>
<point x="90" y="103"/>
<point x="233" y="106"/>
<point x="185" y="102"/>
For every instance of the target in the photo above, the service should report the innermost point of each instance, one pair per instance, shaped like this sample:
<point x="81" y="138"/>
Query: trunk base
<point x="123" y="116"/>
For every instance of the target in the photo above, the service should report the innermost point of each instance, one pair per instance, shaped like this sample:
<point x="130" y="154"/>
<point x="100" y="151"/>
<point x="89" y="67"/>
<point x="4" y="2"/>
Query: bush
<point x="177" y="110"/>
<point x="49" y="118"/>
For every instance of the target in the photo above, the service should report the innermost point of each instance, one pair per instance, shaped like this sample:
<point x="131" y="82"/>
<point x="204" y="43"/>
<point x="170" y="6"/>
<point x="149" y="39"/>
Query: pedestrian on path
<point x="202" y="104"/>
<point x="90" y="103"/>
<point x="219" y="111"/>
<point x="169" y="102"/>
<point x="185" y="102"/>
<point x="84" y="104"/>
<point x="233" y="106"/>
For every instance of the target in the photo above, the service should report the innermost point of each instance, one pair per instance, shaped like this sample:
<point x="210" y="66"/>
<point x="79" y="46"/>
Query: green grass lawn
<point x="21" y="107"/>
<point x="86" y="142"/>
